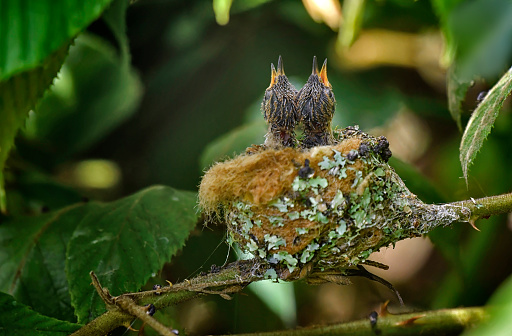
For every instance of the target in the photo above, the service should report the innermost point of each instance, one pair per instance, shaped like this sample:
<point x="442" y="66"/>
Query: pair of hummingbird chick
<point x="284" y="108"/>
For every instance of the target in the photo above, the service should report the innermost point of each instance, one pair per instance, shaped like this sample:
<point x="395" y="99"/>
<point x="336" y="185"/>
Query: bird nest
<point x="327" y="207"/>
<point x="324" y="202"/>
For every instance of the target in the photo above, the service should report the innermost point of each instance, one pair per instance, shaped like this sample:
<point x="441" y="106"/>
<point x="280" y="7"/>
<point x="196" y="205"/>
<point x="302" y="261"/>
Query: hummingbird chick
<point x="316" y="104"/>
<point x="279" y="109"/>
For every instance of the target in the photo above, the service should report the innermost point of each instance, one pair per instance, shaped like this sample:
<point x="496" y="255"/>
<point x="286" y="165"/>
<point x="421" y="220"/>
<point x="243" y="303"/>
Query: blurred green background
<point x="191" y="93"/>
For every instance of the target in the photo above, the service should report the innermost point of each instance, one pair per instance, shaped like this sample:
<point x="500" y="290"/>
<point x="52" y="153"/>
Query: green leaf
<point x="152" y="224"/>
<point x="353" y="12"/>
<point x="31" y="31"/>
<point x="19" y="320"/>
<point x="34" y="38"/>
<point x="482" y="120"/>
<point x="234" y="142"/>
<point x="125" y="243"/>
<point x="96" y="91"/>
<point x="32" y="259"/>
<point x="456" y="91"/>
<point x="18" y="95"/>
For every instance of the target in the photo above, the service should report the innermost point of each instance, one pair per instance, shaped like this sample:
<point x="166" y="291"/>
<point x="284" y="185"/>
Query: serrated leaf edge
<point x="471" y="143"/>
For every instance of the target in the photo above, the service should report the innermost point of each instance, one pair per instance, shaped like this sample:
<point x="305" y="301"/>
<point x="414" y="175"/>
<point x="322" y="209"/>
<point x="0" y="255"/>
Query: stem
<point x="105" y="323"/>
<point x="129" y="306"/>
<point x="486" y="206"/>
<point x="102" y="292"/>
<point x="235" y="276"/>
<point x="230" y="279"/>
<point x="436" y="322"/>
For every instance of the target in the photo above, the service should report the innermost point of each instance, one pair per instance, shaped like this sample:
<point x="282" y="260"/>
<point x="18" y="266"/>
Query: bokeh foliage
<point x="170" y="91"/>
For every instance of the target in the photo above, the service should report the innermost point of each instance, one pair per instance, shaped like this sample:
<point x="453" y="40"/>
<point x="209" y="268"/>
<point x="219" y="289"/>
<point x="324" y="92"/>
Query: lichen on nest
<point x="324" y="208"/>
<point x="324" y="205"/>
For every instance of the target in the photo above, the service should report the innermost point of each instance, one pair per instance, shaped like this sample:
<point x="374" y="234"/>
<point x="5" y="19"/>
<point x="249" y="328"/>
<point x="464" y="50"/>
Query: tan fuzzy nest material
<point x="322" y="208"/>
<point x="259" y="178"/>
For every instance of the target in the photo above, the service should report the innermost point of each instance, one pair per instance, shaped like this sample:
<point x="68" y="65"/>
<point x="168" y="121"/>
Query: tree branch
<point x="128" y="305"/>
<point x="229" y="279"/>
<point x="486" y="206"/>
<point x="436" y="322"/>
<point x="234" y="277"/>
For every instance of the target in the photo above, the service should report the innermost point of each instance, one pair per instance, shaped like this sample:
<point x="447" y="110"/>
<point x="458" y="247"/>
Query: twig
<point x="102" y="292"/>
<point x="486" y="206"/>
<point x="105" y="323"/>
<point x="230" y="279"/>
<point x="234" y="277"/>
<point x="436" y="322"/>
<point x="129" y="306"/>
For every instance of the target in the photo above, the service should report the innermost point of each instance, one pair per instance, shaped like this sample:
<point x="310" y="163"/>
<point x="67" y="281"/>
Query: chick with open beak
<point x="279" y="109"/>
<point x="316" y="105"/>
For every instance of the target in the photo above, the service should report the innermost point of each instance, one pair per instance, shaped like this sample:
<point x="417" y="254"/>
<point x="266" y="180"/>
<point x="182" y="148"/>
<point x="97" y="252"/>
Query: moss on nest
<point x="328" y="207"/>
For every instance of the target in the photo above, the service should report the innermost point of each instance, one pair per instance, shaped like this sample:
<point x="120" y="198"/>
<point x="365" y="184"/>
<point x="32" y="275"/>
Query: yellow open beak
<point x="323" y="72"/>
